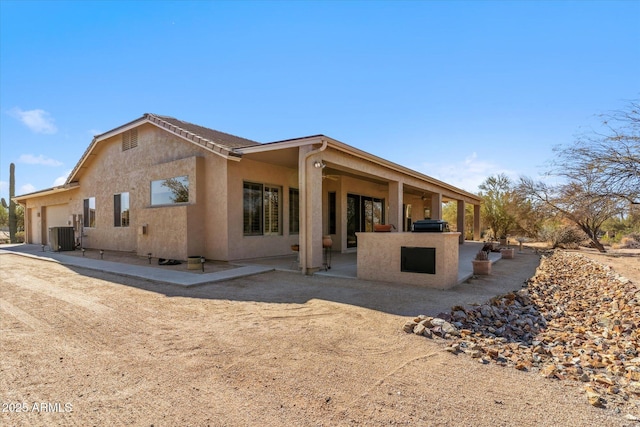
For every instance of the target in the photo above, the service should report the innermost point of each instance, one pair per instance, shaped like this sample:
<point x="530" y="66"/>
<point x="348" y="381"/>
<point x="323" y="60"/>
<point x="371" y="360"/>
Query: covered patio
<point x="344" y="191"/>
<point x="344" y="264"/>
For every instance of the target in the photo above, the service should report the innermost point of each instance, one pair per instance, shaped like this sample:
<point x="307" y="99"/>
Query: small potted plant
<point x="481" y="264"/>
<point x="508" y="252"/>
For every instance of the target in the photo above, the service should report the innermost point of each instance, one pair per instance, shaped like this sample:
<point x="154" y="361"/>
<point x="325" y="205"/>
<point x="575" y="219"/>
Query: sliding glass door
<point x="362" y="214"/>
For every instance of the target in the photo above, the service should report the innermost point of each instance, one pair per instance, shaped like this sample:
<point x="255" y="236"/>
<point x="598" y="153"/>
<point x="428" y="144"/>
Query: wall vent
<point x="129" y="139"/>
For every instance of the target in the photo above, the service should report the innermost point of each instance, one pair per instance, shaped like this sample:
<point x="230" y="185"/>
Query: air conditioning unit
<point x="61" y="238"/>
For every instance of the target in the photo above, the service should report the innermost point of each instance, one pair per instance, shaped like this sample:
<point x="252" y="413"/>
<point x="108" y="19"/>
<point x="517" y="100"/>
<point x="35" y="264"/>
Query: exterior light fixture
<point x="319" y="165"/>
<point x="101" y="253"/>
<point x="202" y="263"/>
<point x="83" y="249"/>
<point x="42" y="248"/>
<point x="149" y="256"/>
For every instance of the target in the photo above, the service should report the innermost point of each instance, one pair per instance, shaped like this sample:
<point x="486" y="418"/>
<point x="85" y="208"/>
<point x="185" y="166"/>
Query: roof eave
<point x="45" y="192"/>
<point x="281" y="145"/>
<point x="317" y="139"/>
<point x="150" y="118"/>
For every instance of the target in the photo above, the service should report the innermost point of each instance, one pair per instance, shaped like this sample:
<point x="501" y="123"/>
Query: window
<point x="129" y="139"/>
<point x="271" y="210"/>
<point x="332" y="212"/>
<point x="121" y="210"/>
<point x="170" y="191"/>
<point x="252" y="216"/>
<point x="294" y="210"/>
<point x="261" y="205"/>
<point x="89" y="212"/>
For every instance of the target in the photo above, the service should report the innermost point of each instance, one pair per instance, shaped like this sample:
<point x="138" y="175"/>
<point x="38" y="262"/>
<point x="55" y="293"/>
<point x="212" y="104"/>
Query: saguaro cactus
<point x="13" y="220"/>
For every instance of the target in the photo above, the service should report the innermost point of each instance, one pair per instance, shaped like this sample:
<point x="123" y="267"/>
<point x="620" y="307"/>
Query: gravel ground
<point x="79" y="347"/>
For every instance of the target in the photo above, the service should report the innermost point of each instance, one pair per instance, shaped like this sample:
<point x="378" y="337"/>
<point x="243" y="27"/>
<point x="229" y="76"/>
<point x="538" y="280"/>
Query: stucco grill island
<point x="423" y="259"/>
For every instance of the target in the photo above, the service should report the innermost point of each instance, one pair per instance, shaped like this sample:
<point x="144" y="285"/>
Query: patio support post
<point x="310" y="182"/>
<point x="476" y="222"/>
<point x="395" y="204"/>
<point x="461" y="219"/>
<point x="436" y="206"/>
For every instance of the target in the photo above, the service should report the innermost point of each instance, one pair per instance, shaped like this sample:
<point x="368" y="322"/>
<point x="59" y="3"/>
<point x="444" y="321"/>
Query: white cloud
<point x="39" y="160"/>
<point x="467" y="174"/>
<point x="39" y="121"/>
<point x="27" y="188"/>
<point x="61" y="179"/>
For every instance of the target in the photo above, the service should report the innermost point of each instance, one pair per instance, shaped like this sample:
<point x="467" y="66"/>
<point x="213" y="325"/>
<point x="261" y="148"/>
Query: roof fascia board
<point x="214" y="148"/>
<point x="127" y="126"/>
<point x="102" y="137"/>
<point x="272" y="146"/>
<point x="46" y="192"/>
<point x="360" y="154"/>
<point x="399" y="168"/>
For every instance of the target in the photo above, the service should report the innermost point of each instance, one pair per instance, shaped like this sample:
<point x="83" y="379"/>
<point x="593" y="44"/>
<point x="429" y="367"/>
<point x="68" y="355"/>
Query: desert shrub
<point x="563" y="236"/>
<point x="632" y="241"/>
<point x="20" y="237"/>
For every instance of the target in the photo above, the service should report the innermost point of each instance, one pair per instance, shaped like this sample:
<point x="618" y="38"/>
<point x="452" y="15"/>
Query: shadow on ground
<point x="399" y="299"/>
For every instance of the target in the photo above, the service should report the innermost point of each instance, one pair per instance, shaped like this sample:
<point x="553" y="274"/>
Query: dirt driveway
<point x="79" y="347"/>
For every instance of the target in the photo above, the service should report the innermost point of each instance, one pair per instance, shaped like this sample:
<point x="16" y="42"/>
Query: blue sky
<point x="456" y="90"/>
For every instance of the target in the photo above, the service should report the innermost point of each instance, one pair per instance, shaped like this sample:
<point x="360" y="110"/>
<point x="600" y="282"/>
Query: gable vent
<point x="129" y="139"/>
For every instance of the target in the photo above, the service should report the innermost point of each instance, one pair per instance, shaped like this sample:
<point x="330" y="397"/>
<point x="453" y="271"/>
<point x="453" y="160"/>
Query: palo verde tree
<point x="498" y="205"/>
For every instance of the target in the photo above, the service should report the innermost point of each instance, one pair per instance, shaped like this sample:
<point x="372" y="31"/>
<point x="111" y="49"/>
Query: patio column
<point x="461" y="220"/>
<point x="395" y="204"/>
<point x="310" y="182"/>
<point x="476" y="222"/>
<point x="436" y="206"/>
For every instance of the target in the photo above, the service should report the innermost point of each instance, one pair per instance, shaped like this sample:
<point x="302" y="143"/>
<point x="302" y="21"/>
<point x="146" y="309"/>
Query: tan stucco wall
<point x="379" y="258"/>
<point x="241" y="246"/>
<point x="109" y="171"/>
<point x="47" y="211"/>
<point x="211" y="223"/>
<point x="173" y="231"/>
<point x="215" y="216"/>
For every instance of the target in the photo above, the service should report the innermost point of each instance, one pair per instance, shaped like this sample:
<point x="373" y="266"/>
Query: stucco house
<point x="174" y="189"/>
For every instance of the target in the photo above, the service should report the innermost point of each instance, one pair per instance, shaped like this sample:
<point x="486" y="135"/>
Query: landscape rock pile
<point x="575" y="320"/>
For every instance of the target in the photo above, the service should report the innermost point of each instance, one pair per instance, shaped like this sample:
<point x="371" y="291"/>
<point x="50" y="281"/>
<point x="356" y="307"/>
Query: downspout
<point x="303" y="206"/>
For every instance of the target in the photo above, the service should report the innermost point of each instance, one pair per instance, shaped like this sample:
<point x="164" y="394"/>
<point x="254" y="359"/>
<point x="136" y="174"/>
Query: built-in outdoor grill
<point x="430" y="226"/>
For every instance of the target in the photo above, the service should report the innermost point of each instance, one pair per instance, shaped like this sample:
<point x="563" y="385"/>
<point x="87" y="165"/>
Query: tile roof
<point x="220" y="138"/>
